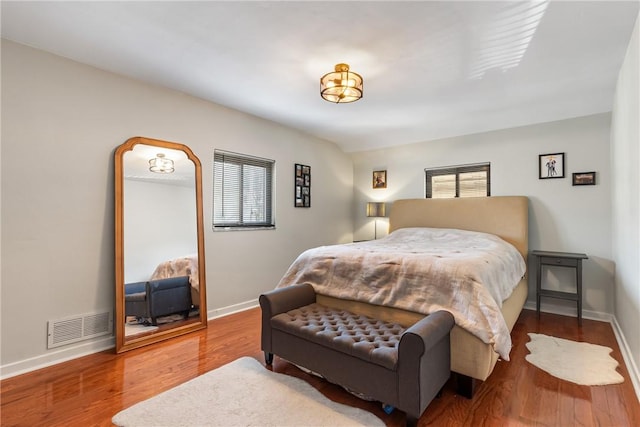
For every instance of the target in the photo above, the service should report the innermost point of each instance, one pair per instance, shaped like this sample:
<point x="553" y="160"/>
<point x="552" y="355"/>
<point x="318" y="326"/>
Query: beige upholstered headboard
<point x="504" y="216"/>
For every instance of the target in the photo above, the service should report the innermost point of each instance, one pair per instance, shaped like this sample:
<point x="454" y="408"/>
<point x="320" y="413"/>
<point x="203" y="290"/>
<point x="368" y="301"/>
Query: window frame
<point x="223" y="156"/>
<point x="456" y="170"/>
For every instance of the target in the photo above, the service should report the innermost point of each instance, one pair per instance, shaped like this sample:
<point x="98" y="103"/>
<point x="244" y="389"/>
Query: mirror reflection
<point x="159" y="270"/>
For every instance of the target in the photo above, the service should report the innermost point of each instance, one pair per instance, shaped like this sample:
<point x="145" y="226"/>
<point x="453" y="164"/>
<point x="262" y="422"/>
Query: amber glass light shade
<point x="341" y="86"/>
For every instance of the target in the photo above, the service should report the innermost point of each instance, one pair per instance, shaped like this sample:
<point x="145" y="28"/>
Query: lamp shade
<point x="341" y="86"/>
<point x="376" y="209"/>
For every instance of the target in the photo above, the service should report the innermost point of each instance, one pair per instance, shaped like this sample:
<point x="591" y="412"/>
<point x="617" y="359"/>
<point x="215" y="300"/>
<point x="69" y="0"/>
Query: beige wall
<point x="625" y="158"/>
<point x="561" y="217"/>
<point x="61" y="122"/>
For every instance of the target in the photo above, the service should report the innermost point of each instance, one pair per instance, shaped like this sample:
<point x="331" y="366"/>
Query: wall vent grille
<point x="78" y="328"/>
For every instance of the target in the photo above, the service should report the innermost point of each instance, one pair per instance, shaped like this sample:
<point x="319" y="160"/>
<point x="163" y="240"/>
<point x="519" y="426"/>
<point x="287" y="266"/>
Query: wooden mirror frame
<point x="123" y="344"/>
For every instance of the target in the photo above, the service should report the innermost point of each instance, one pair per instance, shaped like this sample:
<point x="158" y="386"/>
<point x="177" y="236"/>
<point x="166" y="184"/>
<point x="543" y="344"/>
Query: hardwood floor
<point x="90" y="390"/>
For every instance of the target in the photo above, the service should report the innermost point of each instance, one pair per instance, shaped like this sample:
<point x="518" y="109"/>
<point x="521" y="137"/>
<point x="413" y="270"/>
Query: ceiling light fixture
<point x="341" y="86"/>
<point x="160" y="164"/>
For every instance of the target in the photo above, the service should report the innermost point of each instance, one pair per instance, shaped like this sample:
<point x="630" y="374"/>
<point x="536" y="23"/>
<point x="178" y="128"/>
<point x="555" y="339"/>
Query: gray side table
<point x="559" y="259"/>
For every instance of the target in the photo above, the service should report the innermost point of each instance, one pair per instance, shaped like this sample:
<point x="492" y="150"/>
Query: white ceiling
<point x="431" y="69"/>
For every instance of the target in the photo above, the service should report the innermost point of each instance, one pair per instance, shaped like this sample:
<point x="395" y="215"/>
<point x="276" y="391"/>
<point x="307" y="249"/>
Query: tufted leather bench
<point x="360" y="336"/>
<point x="404" y="368"/>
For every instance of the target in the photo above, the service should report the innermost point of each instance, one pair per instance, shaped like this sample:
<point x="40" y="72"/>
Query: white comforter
<point x="423" y="270"/>
<point x="182" y="266"/>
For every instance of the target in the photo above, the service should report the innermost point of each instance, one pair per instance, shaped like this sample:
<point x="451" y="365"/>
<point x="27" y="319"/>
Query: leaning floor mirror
<point x="159" y="248"/>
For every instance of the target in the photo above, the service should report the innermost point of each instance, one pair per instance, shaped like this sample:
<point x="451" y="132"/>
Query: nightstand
<point x="559" y="259"/>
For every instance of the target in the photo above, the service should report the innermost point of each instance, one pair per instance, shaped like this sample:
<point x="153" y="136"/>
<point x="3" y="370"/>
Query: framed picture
<point x="302" y="196"/>
<point x="584" y="178"/>
<point x="551" y="166"/>
<point x="380" y="179"/>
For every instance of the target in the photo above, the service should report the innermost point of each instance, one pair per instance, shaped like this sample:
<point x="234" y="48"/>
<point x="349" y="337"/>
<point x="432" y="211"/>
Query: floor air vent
<point x="78" y="328"/>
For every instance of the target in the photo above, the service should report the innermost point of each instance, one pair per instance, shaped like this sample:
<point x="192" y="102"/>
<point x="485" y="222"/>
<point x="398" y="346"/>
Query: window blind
<point x="242" y="191"/>
<point x="443" y="186"/>
<point x="458" y="181"/>
<point x="473" y="184"/>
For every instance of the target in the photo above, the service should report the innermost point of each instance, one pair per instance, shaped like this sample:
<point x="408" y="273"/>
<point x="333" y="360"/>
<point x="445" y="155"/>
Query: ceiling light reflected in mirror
<point x="160" y="164"/>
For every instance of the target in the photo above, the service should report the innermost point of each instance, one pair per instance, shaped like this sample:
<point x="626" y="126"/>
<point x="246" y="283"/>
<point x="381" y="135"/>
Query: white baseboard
<point x="634" y="373"/>
<point x="632" y="368"/>
<point x="231" y="309"/>
<point x="570" y="311"/>
<point x="74" y="351"/>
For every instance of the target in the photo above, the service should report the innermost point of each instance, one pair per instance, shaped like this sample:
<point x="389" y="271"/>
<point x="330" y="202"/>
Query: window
<point x="242" y="191"/>
<point x="458" y="181"/>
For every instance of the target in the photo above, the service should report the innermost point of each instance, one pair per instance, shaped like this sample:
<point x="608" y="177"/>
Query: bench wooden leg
<point x="268" y="358"/>
<point x="439" y="395"/>
<point x="466" y="386"/>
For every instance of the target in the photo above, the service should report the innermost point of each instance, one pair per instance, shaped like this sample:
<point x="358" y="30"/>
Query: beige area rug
<point x="579" y="362"/>
<point x="243" y="393"/>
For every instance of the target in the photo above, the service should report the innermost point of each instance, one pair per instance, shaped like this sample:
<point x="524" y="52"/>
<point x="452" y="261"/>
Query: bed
<point x="181" y="266"/>
<point x="472" y="358"/>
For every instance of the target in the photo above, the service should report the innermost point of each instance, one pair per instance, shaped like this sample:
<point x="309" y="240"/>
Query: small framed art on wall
<point x="380" y="179"/>
<point x="551" y="166"/>
<point x="302" y="197"/>
<point x="584" y="178"/>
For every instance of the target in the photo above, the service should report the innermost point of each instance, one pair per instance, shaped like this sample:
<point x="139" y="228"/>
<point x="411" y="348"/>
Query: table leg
<point x="538" y="284"/>
<point x="579" y="285"/>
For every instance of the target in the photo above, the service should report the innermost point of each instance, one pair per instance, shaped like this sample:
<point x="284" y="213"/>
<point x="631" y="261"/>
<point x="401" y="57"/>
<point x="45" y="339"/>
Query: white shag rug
<point x="579" y="362"/>
<point x="243" y="393"/>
